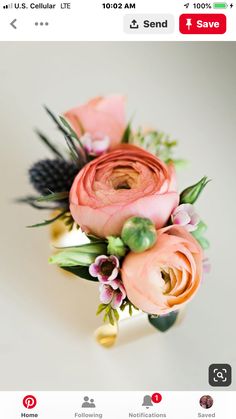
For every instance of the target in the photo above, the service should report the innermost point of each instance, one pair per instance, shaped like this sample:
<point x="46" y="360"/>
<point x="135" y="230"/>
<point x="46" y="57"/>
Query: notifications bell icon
<point x="147" y="401"/>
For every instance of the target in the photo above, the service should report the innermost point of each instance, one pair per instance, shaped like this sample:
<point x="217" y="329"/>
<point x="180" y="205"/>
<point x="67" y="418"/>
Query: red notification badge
<point x="156" y="397"/>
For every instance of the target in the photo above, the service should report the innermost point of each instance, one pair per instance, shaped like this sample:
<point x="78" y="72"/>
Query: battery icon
<point x="219" y="5"/>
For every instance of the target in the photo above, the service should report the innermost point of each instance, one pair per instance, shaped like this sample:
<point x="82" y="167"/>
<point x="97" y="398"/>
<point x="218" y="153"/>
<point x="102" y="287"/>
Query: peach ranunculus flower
<point x="102" y="119"/>
<point x="168" y="275"/>
<point x="125" y="182"/>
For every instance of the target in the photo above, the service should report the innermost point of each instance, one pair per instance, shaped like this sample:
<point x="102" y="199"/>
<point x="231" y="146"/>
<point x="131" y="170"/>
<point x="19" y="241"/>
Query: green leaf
<point x="82" y="255"/>
<point x="109" y="312"/>
<point x="204" y="243"/>
<point x="178" y="163"/>
<point x="201" y="228"/>
<point x="32" y="201"/>
<point x="198" y="234"/>
<point x="105" y="317"/>
<point x="59" y="125"/>
<point x="163" y="323"/>
<point x="68" y="126"/>
<point x="47" y="222"/>
<point x="73" y="152"/>
<point x="93" y="238"/>
<point x="49" y="144"/>
<point x="80" y="125"/>
<point x="54" y="196"/>
<point x="72" y="258"/>
<point x="111" y="320"/>
<point x="191" y="194"/>
<point x="76" y="154"/>
<point x="101" y="308"/>
<point x="80" y="271"/>
<point x="116" y="314"/>
<point x="73" y="133"/>
<point x="94" y="247"/>
<point x="108" y="308"/>
<point x="127" y="134"/>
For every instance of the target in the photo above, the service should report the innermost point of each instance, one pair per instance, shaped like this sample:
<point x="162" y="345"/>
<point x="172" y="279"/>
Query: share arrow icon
<point x="186" y="5"/>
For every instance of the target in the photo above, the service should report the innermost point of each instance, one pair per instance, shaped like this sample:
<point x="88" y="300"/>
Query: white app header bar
<point x="135" y="20"/>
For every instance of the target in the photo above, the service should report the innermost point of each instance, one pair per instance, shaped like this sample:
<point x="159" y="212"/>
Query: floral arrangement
<point x="145" y="242"/>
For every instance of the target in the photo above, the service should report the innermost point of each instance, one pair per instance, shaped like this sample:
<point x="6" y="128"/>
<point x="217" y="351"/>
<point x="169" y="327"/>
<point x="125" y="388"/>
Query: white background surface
<point x="46" y="319"/>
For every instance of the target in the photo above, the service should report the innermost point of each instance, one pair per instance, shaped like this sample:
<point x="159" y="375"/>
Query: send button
<point x="149" y="24"/>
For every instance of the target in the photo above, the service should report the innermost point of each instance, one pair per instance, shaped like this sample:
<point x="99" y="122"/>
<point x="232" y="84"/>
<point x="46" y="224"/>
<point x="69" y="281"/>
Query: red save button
<point x="202" y="23"/>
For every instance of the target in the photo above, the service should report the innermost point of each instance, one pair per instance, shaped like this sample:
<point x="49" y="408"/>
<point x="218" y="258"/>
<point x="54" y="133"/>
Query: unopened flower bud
<point x="191" y="194"/>
<point x="116" y="246"/>
<point x="139" y="234"/>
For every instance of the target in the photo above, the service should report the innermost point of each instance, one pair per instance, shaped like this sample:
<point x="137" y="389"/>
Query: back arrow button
<point x="13" y="23"/>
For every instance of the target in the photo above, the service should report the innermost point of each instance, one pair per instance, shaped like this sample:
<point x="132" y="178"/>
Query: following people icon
<point x="88" y="403"/>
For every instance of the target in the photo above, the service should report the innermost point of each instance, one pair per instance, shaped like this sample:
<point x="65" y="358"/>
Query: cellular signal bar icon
<point x="8" y="6"/>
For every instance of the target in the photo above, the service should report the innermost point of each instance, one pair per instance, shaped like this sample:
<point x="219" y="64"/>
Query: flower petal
<point x="181" y="218"/>
<point x="195" y="219"/>
<point x="113" y="275"/>
<point x="100" y="146"/>
<point x="115" y="284"/>
<point x="115" y="260"/>
<point x="117" y="299"/>
<point x="100" y="259"/>
<point x="94" y="270"/>
<point x="104" y="279"/>
<point x="106" y="294"/>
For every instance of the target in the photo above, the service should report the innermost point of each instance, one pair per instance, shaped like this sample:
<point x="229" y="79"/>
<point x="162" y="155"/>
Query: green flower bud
<point x="139" y="234"/>
<point x="116" y="246"/>
<point x="191" y="194"/>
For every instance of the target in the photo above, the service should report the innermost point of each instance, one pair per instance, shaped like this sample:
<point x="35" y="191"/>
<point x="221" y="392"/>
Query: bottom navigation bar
<point x="117" y="405"/>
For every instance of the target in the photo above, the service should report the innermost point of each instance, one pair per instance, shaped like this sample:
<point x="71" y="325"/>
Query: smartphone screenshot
<point x="118" y="145"/>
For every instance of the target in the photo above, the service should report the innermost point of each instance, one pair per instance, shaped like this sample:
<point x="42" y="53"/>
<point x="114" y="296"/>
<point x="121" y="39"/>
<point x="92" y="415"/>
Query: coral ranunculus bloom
<point x="125" y="182"/>
<point x="101" y="117"/>
<point x="167" y="276"/>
